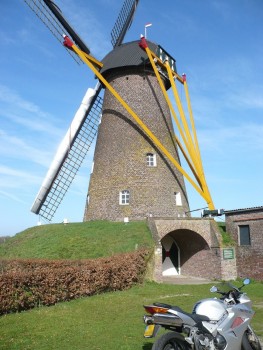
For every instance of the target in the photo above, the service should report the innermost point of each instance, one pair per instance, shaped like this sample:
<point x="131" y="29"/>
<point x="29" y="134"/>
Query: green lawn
<point x="84" y="240"/>
<point x="111" y="321"/>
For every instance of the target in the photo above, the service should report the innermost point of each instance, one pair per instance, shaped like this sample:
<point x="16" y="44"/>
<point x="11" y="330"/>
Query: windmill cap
<point x="128" y="56"/>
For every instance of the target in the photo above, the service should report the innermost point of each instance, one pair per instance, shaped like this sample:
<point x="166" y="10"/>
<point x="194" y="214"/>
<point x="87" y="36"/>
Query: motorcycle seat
<point x="197" y="318"/>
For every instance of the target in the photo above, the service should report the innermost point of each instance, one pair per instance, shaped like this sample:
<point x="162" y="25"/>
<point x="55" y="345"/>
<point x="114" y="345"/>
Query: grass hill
<point x="83" y="240"/>
<point x="86" y="240"/>
<point x="113" y="318"/>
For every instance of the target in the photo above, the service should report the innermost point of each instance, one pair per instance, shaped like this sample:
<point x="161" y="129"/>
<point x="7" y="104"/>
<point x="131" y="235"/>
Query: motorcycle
<point x="214" y="324"/>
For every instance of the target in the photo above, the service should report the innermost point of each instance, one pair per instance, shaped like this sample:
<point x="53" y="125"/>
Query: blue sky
<point x="217" y="43"/>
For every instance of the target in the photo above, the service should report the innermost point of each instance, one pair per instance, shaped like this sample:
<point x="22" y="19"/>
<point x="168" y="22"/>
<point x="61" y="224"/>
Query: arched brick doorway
<point x="198" y="241"/>
<point x="184" y="252"/>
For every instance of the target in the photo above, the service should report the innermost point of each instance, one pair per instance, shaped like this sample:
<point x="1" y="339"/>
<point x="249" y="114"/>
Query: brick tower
<point x="130" y="177"/>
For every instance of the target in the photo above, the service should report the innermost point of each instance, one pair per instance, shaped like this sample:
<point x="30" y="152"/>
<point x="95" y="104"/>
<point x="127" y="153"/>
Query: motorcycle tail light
<point x="151" y="309"/>
<point x="237" y="322"/>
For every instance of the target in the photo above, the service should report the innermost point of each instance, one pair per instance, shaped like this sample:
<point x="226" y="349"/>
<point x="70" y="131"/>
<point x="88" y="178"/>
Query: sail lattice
<point x="51" y="22"/>
<point x="123" y="22"/>
<point x="73" y="161"/>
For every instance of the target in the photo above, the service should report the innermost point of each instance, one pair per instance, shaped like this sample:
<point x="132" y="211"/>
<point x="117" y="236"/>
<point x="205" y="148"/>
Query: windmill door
<point x="170" y="257"/>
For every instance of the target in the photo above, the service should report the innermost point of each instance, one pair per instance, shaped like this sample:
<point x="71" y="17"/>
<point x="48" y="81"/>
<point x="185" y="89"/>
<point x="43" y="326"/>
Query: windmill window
<point x="178" y="198"/>
<point x="151" y="159"/>
<point x="124" y="198"/>
<point x="244" y="235"/>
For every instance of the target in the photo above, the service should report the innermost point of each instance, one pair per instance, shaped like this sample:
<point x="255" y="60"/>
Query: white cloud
<point x="240" y="139"/>
<point x="14" y="178"/>
<point x="29" y="122"/>
<point x="23" y="117"/>
<point x="19" y="148"/>
<point x="5" y="39"/>
<point x="10" y="97"/>
<point x="89" y="26"/>
<point x="251" y="99"/>
<point x="12" y="197"/>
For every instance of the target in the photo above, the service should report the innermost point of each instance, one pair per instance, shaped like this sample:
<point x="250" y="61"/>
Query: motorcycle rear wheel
<point x="170" y="341"/>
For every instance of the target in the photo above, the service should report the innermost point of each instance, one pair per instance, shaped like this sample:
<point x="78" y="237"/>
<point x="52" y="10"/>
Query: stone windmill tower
<point x="131" y="178"/>
<point x="137" y="171"/>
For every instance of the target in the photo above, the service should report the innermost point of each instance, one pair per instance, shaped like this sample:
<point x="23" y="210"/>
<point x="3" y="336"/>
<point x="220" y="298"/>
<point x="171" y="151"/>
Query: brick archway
<point x="194" y="251"/>
<point x="198" y="243"/>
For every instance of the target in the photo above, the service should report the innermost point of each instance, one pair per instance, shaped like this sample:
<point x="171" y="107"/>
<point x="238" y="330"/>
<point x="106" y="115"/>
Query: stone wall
<point x="206" y="228"/>
<point x="228" y="266"/>
<point x="249" y="257"/>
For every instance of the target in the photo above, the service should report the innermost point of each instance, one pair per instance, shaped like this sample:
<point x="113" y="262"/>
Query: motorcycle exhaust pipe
<point x="167" y="319"/>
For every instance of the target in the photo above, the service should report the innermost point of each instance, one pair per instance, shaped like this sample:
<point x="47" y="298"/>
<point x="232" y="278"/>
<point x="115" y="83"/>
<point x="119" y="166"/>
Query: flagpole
<point x="145" y="27"/>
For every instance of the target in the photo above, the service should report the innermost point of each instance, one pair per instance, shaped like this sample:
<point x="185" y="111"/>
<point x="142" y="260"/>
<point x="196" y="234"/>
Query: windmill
<point x="137" y="171"/>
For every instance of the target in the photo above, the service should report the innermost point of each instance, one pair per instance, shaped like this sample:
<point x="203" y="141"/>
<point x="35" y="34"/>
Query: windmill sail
<point x="70" y="155"/>
<point x="83" y="129"/>
<point x="123" y="22"/>
<point x="58" y="14"/>
<point x="50" y="14"/>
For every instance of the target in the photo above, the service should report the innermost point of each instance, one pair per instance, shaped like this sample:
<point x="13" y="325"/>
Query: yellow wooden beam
<point x="94" y="60"/>
<point x="203" y="179"/>
<point x="160" y="81"/>
<point x="147" y="131"/>
<point x="191" y="116"/>
<point x="191" y="145"/>
<point x="192" y="150"/>
<point x="93" y="64"/>
<point x="189" y="162"/>
<point x="162" y="64"/>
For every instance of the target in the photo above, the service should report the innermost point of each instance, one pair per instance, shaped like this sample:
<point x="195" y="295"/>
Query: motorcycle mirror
<point x="213" y="289"/>
<point x="246" y="281"/>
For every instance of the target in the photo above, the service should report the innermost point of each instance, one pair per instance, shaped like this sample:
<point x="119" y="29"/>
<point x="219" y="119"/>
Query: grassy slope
<point x="114" y="319"/>
<point x="108" y="321"/>
<point x="77" y="240"/>
<point x="83" y="240"/>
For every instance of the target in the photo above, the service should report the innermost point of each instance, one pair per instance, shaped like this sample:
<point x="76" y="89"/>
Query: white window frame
<point x="178" y="198"/>
<point x="124" y="197"/>
<point x="92" y="167"/>
<point x="151" y="159"/>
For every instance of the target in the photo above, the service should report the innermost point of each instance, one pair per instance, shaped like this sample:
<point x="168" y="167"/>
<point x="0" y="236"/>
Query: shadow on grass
<point x="147" y="346"/>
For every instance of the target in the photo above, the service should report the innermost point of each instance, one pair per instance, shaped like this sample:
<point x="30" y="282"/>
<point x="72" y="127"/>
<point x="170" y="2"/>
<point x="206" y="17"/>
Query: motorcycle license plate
<point x="149" y="331"/>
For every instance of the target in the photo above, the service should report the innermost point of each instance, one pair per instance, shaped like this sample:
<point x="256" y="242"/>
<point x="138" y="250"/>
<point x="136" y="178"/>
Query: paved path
<point x="186" y="280"/>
